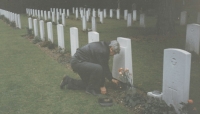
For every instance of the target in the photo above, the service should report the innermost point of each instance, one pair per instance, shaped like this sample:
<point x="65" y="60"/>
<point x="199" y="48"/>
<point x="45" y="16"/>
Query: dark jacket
<point x="98" y="53"/>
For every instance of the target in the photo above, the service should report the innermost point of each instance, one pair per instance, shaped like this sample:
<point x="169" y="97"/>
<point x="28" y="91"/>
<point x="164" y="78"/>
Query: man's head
<point x="114" y="47"/>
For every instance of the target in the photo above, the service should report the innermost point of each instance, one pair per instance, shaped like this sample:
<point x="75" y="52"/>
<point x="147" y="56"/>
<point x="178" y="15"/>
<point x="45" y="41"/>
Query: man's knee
<point x="98" y="69"/>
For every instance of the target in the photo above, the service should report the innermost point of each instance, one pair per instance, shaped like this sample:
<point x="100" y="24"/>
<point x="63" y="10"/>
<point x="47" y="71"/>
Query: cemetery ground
<point x="30" y="78"/>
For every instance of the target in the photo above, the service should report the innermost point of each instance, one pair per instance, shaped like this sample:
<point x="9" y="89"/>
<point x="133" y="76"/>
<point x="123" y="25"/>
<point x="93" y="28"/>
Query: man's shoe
<point x="65" y="81"/>
<point x="91" y="91"/>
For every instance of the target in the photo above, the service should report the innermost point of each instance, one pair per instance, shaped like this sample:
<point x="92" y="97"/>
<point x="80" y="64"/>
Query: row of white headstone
<point x="12" y="17"/>
<point x="176" y="66"/>
<point x="184" y="15"/>
<point x="176" y="70"/>
<point x="33" y="24"/>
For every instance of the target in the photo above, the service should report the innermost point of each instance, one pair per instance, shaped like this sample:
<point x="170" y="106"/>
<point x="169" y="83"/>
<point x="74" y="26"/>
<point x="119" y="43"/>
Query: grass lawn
<point x="29" y="78"/>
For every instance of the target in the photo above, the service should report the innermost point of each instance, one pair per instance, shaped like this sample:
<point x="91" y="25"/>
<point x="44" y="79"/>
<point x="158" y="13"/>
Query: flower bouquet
<point x="125" y="76"/>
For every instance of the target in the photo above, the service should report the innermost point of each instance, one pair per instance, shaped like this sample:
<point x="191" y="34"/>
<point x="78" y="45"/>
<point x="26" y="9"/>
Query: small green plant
<point x="61" y="50"/>
<point x="2" y="17"/>
<point x="29" y="31"/>
<point x="188" y="108"/>
<point x="13" y="24"/>
<point x="36" y="40"/>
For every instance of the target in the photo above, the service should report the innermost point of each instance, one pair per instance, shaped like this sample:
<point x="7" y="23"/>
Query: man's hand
<point x="103" y="90"/>
<point x="115" y="81"/>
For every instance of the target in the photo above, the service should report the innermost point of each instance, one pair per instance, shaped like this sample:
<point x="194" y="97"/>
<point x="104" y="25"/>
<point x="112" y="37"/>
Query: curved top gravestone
<point x="176" y="77"/>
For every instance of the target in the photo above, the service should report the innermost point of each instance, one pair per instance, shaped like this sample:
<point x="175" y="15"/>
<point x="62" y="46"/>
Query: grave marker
<point x="60" y="33"/>
<point x="35" y="24"/>
<point x="63" y="19"/>
<point x="134" y="15"/>
<point x="30" y="25"/>
<point x="93" y="24"/>
<point x="101" y="16"/>
<point x="125" y="14"/>
<point x="104" y="13"/>
<point x="50" y="32"/>
<point x="176" y="77"/>
<point x="19" y="21"/>
<point x="84" y="23"/>
<point x="42" y="33"/>
<point x="129" y="20"/>
<point x="142" y="20"/>
<point x="123" y="59"/>
<point x="193" y="38"/>
<point x="111" y="13"/>
<point x="118" y="13"/>
<point x="183" y="18"/>
<point x="93" y="36"/>
<point x="74" y="41"/>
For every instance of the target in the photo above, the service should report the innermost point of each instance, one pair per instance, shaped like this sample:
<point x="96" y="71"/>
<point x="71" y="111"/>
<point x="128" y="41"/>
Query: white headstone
<point x="42" y="15"/>
<point x="30" y="25"/>
<point x="16" y="21"/>
<point x="125" y="14"/>
<point x="123" y="59"/>
<point x="60" y="33"/>
<point x="73" y="10"/>
<point x="87" y="15"/>
<point x="19" y="21"/>
<point x="64" y="11"/>
<point x="45" y="15"/>
<point x="176" y="77"/>
<point x="81" y="13"/>
<point x="193" y="38"/>
<point x="94" y="13"/>
<point x="58" y="17"/>
<point x="98" y="12"/>
<point x="84" y="23"/>
<point x="74" y="41"/>
<point x="101" y="16"/>
<point x="63" y="19"/>
<point x="93" y="24"/>
<point x="36" y="13"/>
<point x="118" y="13"/>
<point x="67" y="12"/>
<point x="104" y="13"/>
<point x="134" y="15"/>
<point x="49" y="32"/>
<point x="111" y="13"/>
<point x="39" y="17"/>
<point x="35" y="24"/>
<point x="142" y="20"/>
<point x="60" y="11"/>
<point x="129" y="20"/>
<point x="93" y="36"/>
<point x="183" y="18"/>
<point x="49" y="15"/>
<point x="76" y="14"/>
<point x="42" y="33"/>
<point x="53" y="17"/>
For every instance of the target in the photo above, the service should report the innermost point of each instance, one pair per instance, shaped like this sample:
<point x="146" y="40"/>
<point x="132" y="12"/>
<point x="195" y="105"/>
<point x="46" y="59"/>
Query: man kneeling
<point x="91" y="62"/>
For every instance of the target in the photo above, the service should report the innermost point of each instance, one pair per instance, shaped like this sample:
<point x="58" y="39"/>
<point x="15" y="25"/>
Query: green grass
<point x="29" y="79"/>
